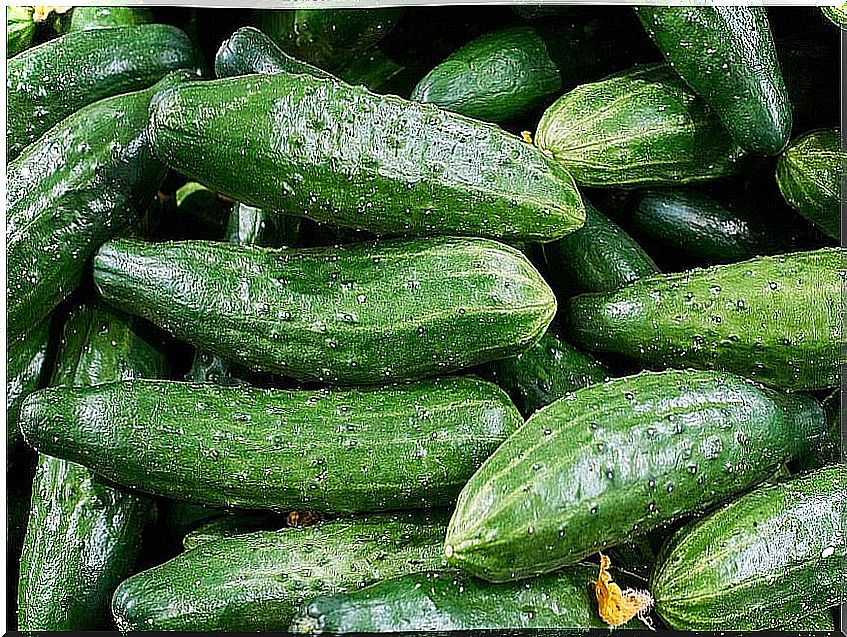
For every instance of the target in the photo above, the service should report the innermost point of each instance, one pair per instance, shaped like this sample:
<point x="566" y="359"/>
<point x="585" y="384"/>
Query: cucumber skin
<point x="83" y="536"/>
<point x="448" y="600"/>
<point x="336" y="314"/>
<point x="545" y="500"/>
<point x="248" y="50"/>
<point x="236" y="523"/>
<point x="20" y="29"/>
<point x="85" y="67"/>
<point x="730" y="60"/>
<point x="255" y="582"/>
<point x="404" y="447"/>
<point x="25" y="369"/>
<point x="713" y="576"/>
<point x="341" y="154"/>
<point x="810" y="174"/>
<point x="85" y="18"/>
<point x="723" y="317"/>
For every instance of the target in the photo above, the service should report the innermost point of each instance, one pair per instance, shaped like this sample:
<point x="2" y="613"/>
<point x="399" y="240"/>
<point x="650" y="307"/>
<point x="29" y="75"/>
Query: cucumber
<point x="768" y="559"/>
<point x="599" y="257"/>
<point x="341" y="154"/>
<point x="448" y="601"/>
<point x="637" y="128"/>
<point x="20" y="29"/>
<point x="775" y="319"/>
<point x="255" y="582"/>
<point x="248" y="50"/>
<point x="237" y="523"/>
<point x="87" y="180"/>
<point x="51" y="81"/>
<point x="837" y="15"/>
<point x="25" y="369"/>
<point x="324" y="314"/>
<point x="810" y="174"/>
<point x="829" y="451"/>
<point x="378" y="72"/>
<point x="85" y="18"/>
<point x="386" y="448"/>
<point x="617" y="459"/>
<point x="83" y="535"/>
<point x="544" y="373"/>
<point x="727" y="55"/>
<point x="820" y="621"/>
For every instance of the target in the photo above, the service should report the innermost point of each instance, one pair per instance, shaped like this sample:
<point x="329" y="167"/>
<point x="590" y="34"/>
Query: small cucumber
<point x="236" y="523"/>
<point x="85" y="18"/>
<point x="451" y="601"/>
<point x="637" y="128"/>
<point x="248" y="50"/>
<point x="53" y="80"/>
<point x="768" y="559"/>
<point x="617" y="459"/>
<point x="340" y="154"/>
<point x="810" y="174"/>
<point x="20" y="29"/>
<point x="324" y="313"/>
<point x="386" y="448"/>
<point x="727" y="55"/>
<point x="255" y="582"/>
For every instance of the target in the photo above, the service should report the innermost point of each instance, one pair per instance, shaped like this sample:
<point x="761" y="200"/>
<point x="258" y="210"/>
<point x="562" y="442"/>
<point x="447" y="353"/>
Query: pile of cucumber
<point x="424" y="319"/>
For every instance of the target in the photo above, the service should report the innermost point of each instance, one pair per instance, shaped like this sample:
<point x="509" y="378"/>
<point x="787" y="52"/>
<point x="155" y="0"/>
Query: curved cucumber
<point x="340" y="154"/>
<point x="363" y="313"/>
<point x="774" y="319"/>
<point x="248" y="50"/>
<point x="637" y="128"/>
<point x="727" y="55"/>
<point x="620" y="458"/>
<point x="768" y="559"/>
<point x="236" y="523"/>
<point x="407" y="446"/>
<point x="25" y="369"/>
<point x="85" y="18"/>
<point x="53" y="80"/>
<point x="810" y="174"/>
<point x="255" y="582"/>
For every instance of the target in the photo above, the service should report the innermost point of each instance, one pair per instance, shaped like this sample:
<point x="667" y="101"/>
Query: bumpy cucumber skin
<point x="544" y="373"/>
<point x="248" y="50"/>
<point x="620" y="458"/>
<point x="255" y="582"/>
<point x="598" y="257"/>
<point x="341" y="154"/>
<point x="775" y="319"/>
<point x="83" y="535"/>
<point x="85" y="18"/>
<point x="810" y="174"/>
<point x="365" y="313"/>
<point x="237" y="523"/>
<point x="447" y="600"/>
<point x="635" y="129"/>
<point x="51" y="81"/>
<point x="408" y="446"/>
<point x="727" y="55"/>
<point x="25" y="361"/>
<point x="84" y="182"/>
<point x="769" y="558"/>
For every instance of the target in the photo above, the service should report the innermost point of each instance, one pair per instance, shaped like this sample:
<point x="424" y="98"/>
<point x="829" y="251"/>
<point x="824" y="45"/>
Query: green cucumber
<point x="401" y="447"/>
<point x="837" y="15"/>
<point x="83" y="535"/>
<point x="53" y="80"/>
<point x="448" y="601"/>
<point x="255" y="582"/>
<point x="363" y="313"/>
<point x="20" y="29"/>
<point x="776" y="319"/>
<point x="25" y="370"/>
<point x="85" y="18"/>
<point x="727" y="55"/>
<point x="378" y="72"/>
<point x="621" y="458"/>
<point x="829" y="451"/>
<point x="81" y="184"/>
<point x="341" y="154"/>
<point x="599" y="257"/>
<point x="248" y="50"/>
<point x="237" y="523"/>
<point x="810" y="174"/>
<point x="637" y="128"/>
<point x="768" y="559"/>
<point x="544" y="373"/>
<point x="820" y="621"/>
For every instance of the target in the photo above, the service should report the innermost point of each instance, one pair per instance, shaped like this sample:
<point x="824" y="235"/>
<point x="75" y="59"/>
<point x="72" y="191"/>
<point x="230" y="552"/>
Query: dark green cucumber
<point x="85" y="18"/>
<point x="51" y="81"/>
<point x="620" y="458"/>
<point x="598" y="257"/>
<point x="248" y="50"/>
<point x="255" y="582"/>
<point x="829" y="451"/>
<point x="727" y="55"/>
<point x="363" y="313"/>
<point x="637" y="128"/>
<point x="25" y="370"/>
<point x="341" y="154"/>
<point x="20" y="29"/>
<point x="83" y="536"/>
<point x="81" y="184"/>
<point x="407" y="446"/>
<point x="237" y="523"/>
<point x="448" y="601"/>
<point x="544" y="373"/>
<point x="810" y="174"/>
<point x="768" y="559"/>
<point x="774" y="319"/>
<point x="378" y="72"/>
